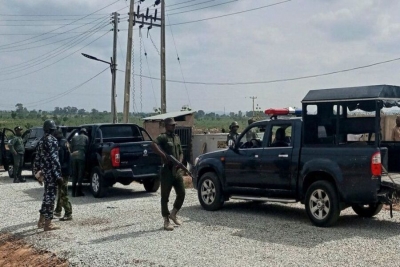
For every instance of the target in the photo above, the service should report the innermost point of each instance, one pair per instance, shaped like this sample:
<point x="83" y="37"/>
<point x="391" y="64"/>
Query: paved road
<point x="125" y="229"/>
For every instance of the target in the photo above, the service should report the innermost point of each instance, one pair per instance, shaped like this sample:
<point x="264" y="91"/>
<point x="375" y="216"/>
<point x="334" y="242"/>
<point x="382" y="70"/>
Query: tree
<point x="13" y="115"/>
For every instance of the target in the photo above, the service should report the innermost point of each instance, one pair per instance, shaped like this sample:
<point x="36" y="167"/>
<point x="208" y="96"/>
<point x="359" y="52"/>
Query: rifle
<point x="178" y="164"/>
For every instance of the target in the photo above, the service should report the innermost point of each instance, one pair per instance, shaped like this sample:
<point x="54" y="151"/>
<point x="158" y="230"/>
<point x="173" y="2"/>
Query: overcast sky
<point x="42" y="66"/>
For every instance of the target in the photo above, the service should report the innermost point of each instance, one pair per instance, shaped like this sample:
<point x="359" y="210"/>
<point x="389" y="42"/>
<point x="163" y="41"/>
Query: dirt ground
<point x="15" y="252"/>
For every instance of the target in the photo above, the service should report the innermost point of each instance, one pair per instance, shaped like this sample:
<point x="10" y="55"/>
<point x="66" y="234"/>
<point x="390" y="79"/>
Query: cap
<point x="83" y="130"/>
<point x="251" y="120"/>
<point x="169" y="121"/>
<point x="18" y="128"/>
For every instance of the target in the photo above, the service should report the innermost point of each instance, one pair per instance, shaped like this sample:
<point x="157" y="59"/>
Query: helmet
<point x="250" y="121"/>
<point x="83" y="130"/>
<point x="49" y="125"/>
<point x="18" y="128"/>
<point x="169" y="121"/>
<point x="233" y="124"/>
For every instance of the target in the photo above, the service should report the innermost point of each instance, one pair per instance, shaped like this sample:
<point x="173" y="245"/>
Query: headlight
<point x="196" y="160"/>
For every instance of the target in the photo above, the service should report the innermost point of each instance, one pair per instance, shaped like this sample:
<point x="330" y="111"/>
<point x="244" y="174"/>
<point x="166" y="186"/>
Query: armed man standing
<point x="17" y="149"/>
<point x="46" y="162"/>
<point x="79" y="146"/>
<point x="233" y="134"/>
<point x="170" y="144"/>
<point x="62" y="192"/>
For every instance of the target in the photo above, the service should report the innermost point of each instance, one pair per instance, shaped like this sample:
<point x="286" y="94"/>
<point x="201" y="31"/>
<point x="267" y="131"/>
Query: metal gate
<point x="185" y="134"/>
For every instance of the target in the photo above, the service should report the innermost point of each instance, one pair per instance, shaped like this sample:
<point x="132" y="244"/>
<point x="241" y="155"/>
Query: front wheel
<point x="210" y="192"/>
<point x="322" y="204"/>
<point x="97" y="184"/>
<point x="367" y="211"/>
<point x="152" y="186"/>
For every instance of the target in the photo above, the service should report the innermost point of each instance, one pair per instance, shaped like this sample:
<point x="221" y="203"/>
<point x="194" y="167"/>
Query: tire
<point x="367" y="211"/>
<point x="322" y="204"/>
<point x="210" y="192"/>
<point x="10" y="171"/>
<point x="97" y="183"/>
<point x="153" y="185"/>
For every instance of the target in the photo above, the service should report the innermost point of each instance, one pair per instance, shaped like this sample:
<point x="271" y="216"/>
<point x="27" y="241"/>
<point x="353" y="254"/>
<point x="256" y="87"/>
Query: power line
<point x="176" y="13"/>
<point x="62" y="26"/>
<point x="17" y="77"/>
<point x="53" y="54"/>
<point x="230" y="14"/>
<point x="201" y="3"/>
<point x="50" y="99"/>
<point x="280" y="80"/>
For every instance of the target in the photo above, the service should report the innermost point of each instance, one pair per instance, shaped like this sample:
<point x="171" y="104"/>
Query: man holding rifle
<point x="166" y="145"/>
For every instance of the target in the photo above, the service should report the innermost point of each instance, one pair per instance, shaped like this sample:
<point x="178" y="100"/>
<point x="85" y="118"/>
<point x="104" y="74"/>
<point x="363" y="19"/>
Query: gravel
<point x="125" y="229"/>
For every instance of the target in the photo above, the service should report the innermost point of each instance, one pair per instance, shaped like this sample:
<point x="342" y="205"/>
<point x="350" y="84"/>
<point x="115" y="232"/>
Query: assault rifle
<point x="177" y="164"/>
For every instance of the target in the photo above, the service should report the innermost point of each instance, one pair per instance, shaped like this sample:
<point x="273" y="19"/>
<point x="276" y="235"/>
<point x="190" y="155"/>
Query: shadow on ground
<point x="267" y="222"/>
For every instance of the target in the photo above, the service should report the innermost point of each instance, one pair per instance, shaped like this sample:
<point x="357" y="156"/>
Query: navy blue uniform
<point x="47" y="161"/>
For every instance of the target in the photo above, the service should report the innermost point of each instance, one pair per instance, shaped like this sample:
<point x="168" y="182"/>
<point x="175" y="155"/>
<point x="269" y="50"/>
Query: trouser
<point x="169" y="180"/>
<point x="49" y="197"/>
<point x="62" y="198"/>
<point x="78" y="169"/>
<point x="18" y="163"/>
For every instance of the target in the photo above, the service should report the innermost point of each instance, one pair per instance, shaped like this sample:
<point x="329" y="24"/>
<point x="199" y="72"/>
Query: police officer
<point x="62" y="192"/>
<point x="79" y="146"/>
<point x="17" y="149"/>
<point x="233" y="134"/>
<point x="169" y="143"/>
<point x="46" y="162"/>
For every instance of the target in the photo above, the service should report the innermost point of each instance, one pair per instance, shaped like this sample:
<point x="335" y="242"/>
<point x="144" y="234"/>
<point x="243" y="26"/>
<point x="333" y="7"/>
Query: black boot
<point x="79" y="192"/>
<point x="16" y="180"/>
<point x="22" y="179"/>
<point x="73" y="193"/>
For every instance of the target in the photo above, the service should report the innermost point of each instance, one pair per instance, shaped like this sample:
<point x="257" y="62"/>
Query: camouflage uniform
<point x="79" y="146"/>
<point x="17" y="149"/>
<point x="46" y="160"/>
<point x="62" y="193"/>
<point x="232" y="136"/>
<point x="171" y="144"/>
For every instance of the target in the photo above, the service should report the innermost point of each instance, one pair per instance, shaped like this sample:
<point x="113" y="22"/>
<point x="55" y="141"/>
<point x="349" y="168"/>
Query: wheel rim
<point x="95" y="182"/>
<point x="320" y="204"/>
<point x="208" y="192"/>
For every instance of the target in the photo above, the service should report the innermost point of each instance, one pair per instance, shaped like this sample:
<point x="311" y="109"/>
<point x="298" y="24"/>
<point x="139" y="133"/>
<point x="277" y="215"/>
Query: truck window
<point x="253" y="137"/>
<point x="120" y="131"/>
<point x="280" y="136"/>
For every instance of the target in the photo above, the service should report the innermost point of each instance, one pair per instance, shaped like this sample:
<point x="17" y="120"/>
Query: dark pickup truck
<point x="313" y="159"/>
<point x="119" y="153"/>
<point x="31" y="139"/>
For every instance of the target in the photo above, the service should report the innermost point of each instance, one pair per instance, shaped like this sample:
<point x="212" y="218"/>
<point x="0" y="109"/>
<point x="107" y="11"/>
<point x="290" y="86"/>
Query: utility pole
<point x="253" y="98"/>
<point x="128" y="64"/>
<point x="114" y="69"/>
<point x="163" y="72"/>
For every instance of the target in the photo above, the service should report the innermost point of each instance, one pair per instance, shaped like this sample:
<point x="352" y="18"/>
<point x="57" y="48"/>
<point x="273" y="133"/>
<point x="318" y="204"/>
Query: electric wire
<point x="181" y="12"/>
<point x="281" y="80"/>
<point x="201" y="3"/>
<point x="55" y="53"/>
<point x="17" y="77"/>
<point x="148" y="68"/>
<point x="50" y="99"/>
<point x="61" y="26"/>
<point x="180" y="66"/>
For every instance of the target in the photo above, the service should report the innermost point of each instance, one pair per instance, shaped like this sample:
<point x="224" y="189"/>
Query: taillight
<point x="115" y="157"/>
<point x="376" y="166"/>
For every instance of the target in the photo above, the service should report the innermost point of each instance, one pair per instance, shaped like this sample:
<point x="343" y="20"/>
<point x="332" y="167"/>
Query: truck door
<point x="276" y="161"/>
<point x="242" y="163"/>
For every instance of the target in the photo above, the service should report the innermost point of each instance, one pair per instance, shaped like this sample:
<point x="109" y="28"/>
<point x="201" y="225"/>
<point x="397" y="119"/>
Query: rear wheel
<point x="322" y="204"/>
<point x="97" y="183"/>
<point x="210" y="192"/>
<point x="153" y="185"/>
<point x="367" y="211"/>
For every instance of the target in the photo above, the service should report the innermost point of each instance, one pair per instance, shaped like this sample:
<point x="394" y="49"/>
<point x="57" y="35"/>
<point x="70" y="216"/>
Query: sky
<point x="230" y="52"/>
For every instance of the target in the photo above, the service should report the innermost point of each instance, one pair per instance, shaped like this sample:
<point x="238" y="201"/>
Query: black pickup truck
<point x="119" y="153"/>
<point x="31" y="138"/>
<point x="312" y="159"/>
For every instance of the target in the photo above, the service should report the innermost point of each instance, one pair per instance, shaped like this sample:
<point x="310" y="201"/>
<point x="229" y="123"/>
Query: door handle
<point x="283" y="155"/>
